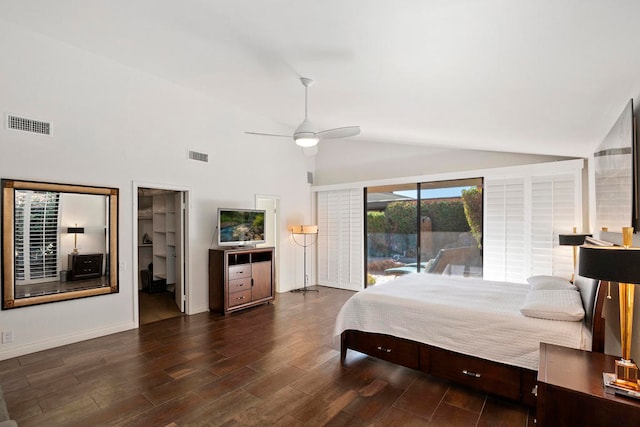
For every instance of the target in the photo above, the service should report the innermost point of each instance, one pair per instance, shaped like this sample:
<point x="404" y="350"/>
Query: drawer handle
<point x="386" y="350"/>
<point x="471" y="374"/>
<point x="239" y="272"/>
<point x="534" y="390"/>
<point x="242" y="297"/>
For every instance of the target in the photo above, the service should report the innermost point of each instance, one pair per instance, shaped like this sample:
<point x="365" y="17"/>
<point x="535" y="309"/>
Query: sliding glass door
<point x="391" y="232"/>
<point x="433" y="227"/>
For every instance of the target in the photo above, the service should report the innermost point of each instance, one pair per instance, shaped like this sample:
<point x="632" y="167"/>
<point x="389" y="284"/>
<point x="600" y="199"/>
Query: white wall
<point x="87" y="211"/>
<point x="113" y="125"/>
<point x="342" y="161"/>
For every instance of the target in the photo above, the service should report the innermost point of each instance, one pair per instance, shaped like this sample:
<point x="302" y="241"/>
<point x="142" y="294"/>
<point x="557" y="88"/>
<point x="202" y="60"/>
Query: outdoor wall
<point x="113" y="126"/>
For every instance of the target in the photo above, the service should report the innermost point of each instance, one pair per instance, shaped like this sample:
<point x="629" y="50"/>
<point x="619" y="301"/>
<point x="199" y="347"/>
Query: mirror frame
<point x="8" y="249"/>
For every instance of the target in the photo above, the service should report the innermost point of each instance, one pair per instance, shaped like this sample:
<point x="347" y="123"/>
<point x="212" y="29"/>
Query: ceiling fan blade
<point x="268" y="134"/>
<point x="343" y="132"/>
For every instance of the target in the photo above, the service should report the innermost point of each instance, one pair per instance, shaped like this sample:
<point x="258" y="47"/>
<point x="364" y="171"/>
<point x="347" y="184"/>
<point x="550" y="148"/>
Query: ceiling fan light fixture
<point x="306" y="139"/>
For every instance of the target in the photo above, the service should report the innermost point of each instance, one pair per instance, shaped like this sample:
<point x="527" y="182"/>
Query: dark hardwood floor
<point x="275" y="364"/>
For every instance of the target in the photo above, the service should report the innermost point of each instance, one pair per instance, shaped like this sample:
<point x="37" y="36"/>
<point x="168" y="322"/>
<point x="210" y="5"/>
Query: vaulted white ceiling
<point x="532" y="76"/>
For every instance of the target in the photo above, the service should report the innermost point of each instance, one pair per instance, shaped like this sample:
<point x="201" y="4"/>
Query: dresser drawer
<point x="392" y="349"/>
<point x="239" y="298"/>
<point x="239" y="285"/>
<point x="478" y="373"/>
<point x="239" y="271"/>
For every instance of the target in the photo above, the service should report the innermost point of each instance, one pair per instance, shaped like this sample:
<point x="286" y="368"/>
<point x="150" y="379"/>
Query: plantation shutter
<point x="504" y="243"/>
<point x="523" y="218"/>
<point x="36" y="236"/>
<point x="340" y="238"/>
<point x="555" y="203"/>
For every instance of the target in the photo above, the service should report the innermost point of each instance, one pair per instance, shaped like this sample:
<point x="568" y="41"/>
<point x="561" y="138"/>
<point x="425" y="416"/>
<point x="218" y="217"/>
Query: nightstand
<point x="570" y="390"/>
<point x="84" y="266"/>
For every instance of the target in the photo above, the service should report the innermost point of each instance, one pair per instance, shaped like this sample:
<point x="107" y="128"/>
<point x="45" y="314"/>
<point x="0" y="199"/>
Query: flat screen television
<point x="240" y="227"/>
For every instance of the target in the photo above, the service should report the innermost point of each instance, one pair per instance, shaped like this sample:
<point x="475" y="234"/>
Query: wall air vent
<point x="28" y="125"/>
<point x="201" y="157"/>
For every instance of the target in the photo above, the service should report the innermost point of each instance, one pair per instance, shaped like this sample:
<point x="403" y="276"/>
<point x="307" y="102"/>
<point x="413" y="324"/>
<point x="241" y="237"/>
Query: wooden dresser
<point x="570" y="390"/>
<point x="240" y="278"/>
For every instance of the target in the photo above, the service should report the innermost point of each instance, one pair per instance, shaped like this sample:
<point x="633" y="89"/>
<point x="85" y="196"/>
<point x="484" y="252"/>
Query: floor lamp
<point x="619" y="264"/>
<point x="305" y="231"/>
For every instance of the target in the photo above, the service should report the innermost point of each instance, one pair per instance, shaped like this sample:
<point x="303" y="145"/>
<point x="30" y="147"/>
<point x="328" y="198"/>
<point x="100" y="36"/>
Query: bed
<point x="467" y="330"/>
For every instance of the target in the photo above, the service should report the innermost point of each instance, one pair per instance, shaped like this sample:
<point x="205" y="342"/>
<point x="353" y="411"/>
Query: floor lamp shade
<point x="304" y="229"/>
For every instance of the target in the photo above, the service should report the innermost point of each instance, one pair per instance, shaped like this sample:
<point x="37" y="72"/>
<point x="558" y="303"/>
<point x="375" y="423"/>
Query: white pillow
<point x="553" y="305"/>
<point x="550" y="283"/>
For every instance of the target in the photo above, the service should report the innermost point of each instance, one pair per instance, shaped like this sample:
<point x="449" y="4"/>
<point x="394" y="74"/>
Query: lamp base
<point x="75" y="251"/>
<point x="304" y="290"/>
<point x="627" y="372"/>
<point x="614" y="385"/>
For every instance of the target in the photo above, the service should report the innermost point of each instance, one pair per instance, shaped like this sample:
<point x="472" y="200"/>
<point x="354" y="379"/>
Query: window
<point x="36" y="236"/>
<point x="434" y="227"/>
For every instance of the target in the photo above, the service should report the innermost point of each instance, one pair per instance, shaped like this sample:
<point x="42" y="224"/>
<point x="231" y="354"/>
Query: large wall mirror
<point x="59" y="242"/>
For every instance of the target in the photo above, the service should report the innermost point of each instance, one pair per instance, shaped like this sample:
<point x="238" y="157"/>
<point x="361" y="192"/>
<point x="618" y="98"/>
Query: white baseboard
<point x="21" y="350"/>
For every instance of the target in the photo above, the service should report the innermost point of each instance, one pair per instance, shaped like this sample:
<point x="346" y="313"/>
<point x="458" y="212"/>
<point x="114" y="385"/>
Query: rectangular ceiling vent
<point x="201" y="157"/>
<point x="28" y="125"/>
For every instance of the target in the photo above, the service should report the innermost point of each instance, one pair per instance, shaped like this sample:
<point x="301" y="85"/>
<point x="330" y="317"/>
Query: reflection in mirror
<point x="59" y="242"/>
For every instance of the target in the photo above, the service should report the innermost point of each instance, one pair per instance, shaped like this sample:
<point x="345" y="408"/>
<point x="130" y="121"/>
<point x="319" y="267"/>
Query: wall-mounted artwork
<point x="614" y="175"/>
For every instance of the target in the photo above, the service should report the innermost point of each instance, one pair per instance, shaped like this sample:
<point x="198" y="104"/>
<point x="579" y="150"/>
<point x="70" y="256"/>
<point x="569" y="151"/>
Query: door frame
<point x="276" y="231"/>
<point x="185" y="238"/>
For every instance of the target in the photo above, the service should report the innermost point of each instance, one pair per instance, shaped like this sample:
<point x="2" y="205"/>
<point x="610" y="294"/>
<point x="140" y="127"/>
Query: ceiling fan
<point x="307" y="135"/>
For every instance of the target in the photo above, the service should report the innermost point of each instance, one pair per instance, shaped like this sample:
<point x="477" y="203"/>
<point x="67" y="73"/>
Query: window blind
<point x="504" y="243"/>
<point x="523" y="218"/>
<point x="553" y="212"/>
<point x="340" y="238"/>
<point x="36" y="236"/>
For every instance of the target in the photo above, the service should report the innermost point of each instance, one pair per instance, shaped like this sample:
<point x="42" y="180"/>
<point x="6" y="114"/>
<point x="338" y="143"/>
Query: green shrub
<point x="446" y="215"/>
<point x="375" y="222"/>
<point x="400" y="218"/>
<point x="472" y="199"/>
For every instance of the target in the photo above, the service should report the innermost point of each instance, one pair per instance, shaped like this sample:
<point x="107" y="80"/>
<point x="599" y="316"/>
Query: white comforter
<point x="466" y="315"/>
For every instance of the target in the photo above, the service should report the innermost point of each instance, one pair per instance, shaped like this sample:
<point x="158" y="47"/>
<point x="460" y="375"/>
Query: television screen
<point x="238" y="227"/>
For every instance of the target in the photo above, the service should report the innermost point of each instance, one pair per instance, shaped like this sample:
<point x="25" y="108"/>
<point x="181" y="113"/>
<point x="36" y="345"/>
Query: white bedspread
<point x="466" y="315"/>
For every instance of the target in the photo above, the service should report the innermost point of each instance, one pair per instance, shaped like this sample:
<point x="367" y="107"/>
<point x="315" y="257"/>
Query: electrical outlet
<point x="122" y="265"/>
<point x="7" y="337"/>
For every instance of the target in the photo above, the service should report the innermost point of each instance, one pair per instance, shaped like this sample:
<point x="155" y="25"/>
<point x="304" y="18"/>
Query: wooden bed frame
<point x="508" y="381"/>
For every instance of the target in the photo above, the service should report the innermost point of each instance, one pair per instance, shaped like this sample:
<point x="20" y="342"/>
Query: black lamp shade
<point x="75" y="230"/>
<point x="572" y="239"/>
<point x="610" y="263"/>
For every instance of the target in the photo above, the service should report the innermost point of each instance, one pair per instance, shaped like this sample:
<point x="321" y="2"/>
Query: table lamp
<point x="574" y="240"/>
<point x="75" y="231"/>
<point x="305" y="231"/>
<point x="618" y="264"/>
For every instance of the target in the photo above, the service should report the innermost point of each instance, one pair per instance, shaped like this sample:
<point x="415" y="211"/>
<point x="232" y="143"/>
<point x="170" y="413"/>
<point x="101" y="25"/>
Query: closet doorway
<point x="161" y="256"/>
